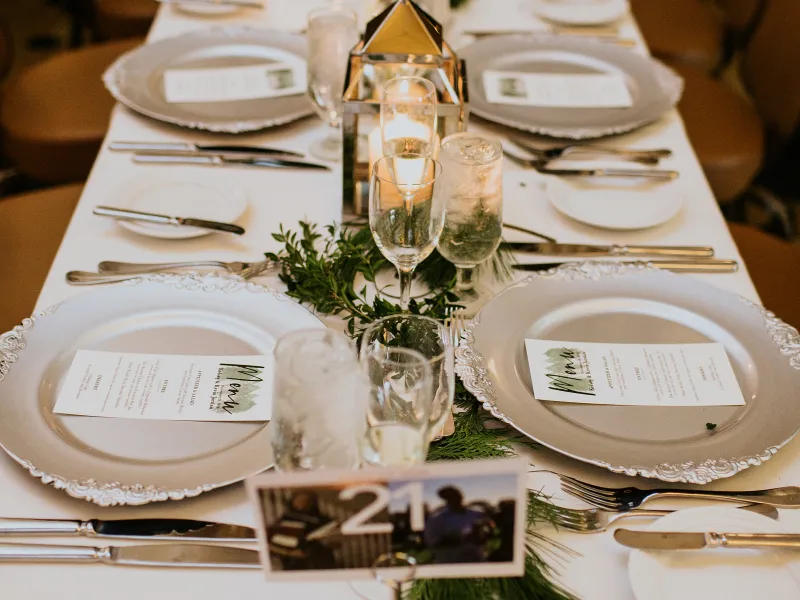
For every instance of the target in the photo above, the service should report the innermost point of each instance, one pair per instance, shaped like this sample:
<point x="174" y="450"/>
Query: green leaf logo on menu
<point x="236" y="387"/>
<point x="568" y="371"/>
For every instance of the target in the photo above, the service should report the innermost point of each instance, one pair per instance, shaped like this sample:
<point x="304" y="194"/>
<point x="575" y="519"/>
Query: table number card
<point x="233" y="83"/>
<point x="632" y="374"/>
<point x="170" y="387"/>
<point x="457" y="519"/>
<point x="596" y="90"/>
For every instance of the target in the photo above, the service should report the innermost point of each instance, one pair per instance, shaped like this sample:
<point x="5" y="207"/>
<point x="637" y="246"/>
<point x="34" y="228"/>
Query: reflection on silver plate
<point x="137" y="78"/>
<point x="655" y="88"/>
<point x="607" y="302"/>
<point x="126" y="461"/>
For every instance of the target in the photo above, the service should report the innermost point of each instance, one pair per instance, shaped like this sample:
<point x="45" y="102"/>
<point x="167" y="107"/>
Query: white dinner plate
<point x="179" y="198"/>
<point x="617" y="303"/>
<point x="135" y="461"/>
<point x="581" y="12"/>
<point x="721" y="574"/>
<point x="616" y="203"/>
<point x="206" y="10"/>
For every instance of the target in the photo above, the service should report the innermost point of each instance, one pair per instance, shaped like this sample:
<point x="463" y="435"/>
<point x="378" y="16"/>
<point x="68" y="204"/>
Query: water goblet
<point x="401" y="394"/>
<point x="405" y="213"/>
<point x="472" y="187"/>
<point x="428" y="337"/>
<point x="319" y="401"/>
<point x="332" y="32"/>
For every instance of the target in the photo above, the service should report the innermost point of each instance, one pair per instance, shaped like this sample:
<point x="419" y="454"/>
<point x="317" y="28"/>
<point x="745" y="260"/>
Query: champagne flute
<point x="408" y="116"/>
<point x="332" y="32"/>
<point x="472" y="187"/>
<point x="401" y="394"/>
<point x="406" y="213"/>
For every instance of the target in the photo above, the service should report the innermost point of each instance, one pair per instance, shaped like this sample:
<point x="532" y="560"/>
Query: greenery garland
<point x="320" y="270"/>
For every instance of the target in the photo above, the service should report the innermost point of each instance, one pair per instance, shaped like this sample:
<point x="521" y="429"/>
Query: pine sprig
<point x="320" y="271"/>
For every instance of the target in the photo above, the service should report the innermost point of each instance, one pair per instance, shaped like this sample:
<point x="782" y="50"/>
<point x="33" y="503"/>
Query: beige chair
<point x="119" y="19"/>
<point x="54" y="115"/>
<point x="774" y="266"/>
<point x="31" y="228"/>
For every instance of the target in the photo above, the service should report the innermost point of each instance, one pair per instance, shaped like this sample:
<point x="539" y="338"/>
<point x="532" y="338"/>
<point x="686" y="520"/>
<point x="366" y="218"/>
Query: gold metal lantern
<point x="402" y="40"/>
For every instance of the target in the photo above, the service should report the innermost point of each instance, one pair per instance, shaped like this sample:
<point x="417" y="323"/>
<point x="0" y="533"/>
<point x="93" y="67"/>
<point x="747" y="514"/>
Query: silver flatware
<point x="243" y="269"/>
<point x="135" y="215"/>
<point x="198" y="148"/>
<point x="649" y="157"/>
<point x="147" y="555"/>
<point x="546" y="238"/>
<point x="712" y="265"/>
<point x="622" y="499"/>
<point x="218" y="160"/>
<point x="662" y="540"/>
<point x="597" y="520"/>
<point x="242" y="3"/>
<point x="90" y="278"/>
<point x="183" y="529"/>
<point x="454" y="323"/>
<point x="540" y="166"/>
<point x="556" y="249"/>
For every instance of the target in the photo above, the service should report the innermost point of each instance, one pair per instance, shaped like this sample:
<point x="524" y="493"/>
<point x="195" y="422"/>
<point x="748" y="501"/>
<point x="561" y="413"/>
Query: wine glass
<point x="319" y="401"/>
<point x="472" y="187"/>
<point x="332" y="32"/>
<point x="428" y="337"/>
<point x="406" y="213"/>
<point x="400" y="398"/>
<point x="408" y="116"/>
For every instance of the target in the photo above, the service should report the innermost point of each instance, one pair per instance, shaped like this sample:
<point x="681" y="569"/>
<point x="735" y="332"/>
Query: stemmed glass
<point x="319" y="401"/>
<point x="406" y="213"/>
<point x="472" y="187"/>
<point x="428" y="337"/>
<point x="332" y="32"/>
<point x="408" y="116"/>
<point x="401" y="394"/>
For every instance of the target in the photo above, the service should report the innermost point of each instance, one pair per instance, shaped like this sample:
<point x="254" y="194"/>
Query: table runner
<point x="285" y="197"/>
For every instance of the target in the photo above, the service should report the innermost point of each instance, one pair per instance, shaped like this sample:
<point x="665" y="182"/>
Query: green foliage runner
<point x="320" y="270"/>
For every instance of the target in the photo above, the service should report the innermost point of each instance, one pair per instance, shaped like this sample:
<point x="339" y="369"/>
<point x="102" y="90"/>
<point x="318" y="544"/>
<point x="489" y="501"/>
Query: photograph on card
<point x="455" y="525"/>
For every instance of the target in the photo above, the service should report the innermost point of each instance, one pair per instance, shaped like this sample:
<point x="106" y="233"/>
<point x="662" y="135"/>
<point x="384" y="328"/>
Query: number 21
<point x="358" y="523"/>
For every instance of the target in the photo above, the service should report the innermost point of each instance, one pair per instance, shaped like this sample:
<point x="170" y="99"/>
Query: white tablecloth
<point x="285" y="197"/>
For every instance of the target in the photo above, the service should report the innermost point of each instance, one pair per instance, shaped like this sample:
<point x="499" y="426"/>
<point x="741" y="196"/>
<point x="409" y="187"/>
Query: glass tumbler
<point x="428" y="337"/>
<point x="319" y="402"/>
<point x="472" y="187"/>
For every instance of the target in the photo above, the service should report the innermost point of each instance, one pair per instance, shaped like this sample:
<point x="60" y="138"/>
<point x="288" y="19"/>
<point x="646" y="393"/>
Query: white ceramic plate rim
<point x="614" y="11"/>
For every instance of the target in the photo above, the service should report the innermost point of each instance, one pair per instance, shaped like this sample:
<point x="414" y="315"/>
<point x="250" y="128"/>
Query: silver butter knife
<point x="147" y="555"/>
<point x="711" y="265"/>
<point x="184" y="529"/>
<point x="223" y="159"/>
<point x="135" y="215"/>
<point x="658" y="540"/>
<point x="610" y="250"/>
<point x="189" y="147"/>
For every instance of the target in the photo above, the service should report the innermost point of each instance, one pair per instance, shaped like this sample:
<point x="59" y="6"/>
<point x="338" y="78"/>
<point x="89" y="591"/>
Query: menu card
<point x="593" y="90"/>
<point x="632" y="374"/>
<point x="456" y="519"/>
<point x="233" y="83"/>
<point x="170" y="387"/>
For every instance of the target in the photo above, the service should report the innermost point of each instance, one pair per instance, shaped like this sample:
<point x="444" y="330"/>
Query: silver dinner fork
<point x="627" y="498"/>
<point x="454" y="322"/>
<point x="245" y="269"/>
<point x="647" y="157"/>
<point x="597" y="520"/>
<point x="541" y="166"/>
<point x="88" y="278"/>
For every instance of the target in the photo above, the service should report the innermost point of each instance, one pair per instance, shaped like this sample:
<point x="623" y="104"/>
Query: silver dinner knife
<point x="243" y="3"/>
<point x="221" y="160"/>
<point x="147" y="555"/>
<point x="711" y="265"/>
<point x="645" y="173"/>
<point x="184" y="529"/>
<point x="610" y="250"/>
<point x="658" y="540"/>
<point x="189" y="147"/>
<point x="135" y="215"/>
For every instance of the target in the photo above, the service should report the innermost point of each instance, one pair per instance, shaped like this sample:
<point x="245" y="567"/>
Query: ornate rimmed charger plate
<point x="654" y="88"/>
<point x="129" y="461"/>
<point x="136" y="79"/>
<point x="616" y="303"/>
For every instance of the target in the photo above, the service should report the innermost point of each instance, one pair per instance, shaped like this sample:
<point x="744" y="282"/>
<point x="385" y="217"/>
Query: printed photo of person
<point x="511" y="87"/>
<point x="456" y="533"/>
<point x="280" y="79"/>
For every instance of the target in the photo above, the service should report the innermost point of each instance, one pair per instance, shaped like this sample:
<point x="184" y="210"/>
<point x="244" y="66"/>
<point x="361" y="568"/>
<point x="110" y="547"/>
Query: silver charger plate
<point x="654" y="87"/>
<point x="615" y="303"/>
<point x="136" y="79"/>
<point x="129" y="461"/>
